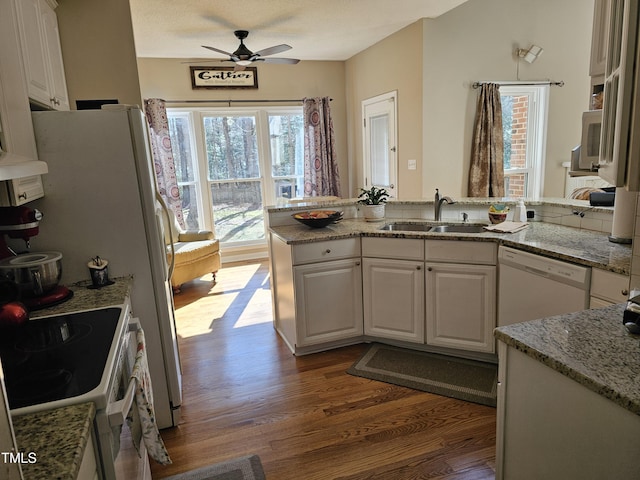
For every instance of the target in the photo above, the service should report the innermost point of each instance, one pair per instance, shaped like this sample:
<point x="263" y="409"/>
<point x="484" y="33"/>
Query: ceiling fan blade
<point x="273" y="50"/>
<point x="291" y="61"/>
<point x="230" y="55"/>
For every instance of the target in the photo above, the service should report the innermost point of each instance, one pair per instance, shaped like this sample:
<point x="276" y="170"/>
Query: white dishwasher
<point x="532" y="286"/>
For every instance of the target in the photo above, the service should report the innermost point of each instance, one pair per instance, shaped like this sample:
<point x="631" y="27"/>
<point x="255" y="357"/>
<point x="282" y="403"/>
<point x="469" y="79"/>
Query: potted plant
<point x="373" y="201"/>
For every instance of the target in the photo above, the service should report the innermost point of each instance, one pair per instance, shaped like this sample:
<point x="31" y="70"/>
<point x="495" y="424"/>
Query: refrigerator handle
<point x="165" y="210"/>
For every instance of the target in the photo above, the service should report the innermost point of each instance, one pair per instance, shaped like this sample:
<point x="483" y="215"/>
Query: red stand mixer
<point x="18" y="223"/>
<point x="35" y="274"/>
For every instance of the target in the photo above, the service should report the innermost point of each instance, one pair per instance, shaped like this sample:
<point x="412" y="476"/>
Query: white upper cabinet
<point x="599" y="38"/>
<point x="42" y="54"/>
<point x="619" y="143"/>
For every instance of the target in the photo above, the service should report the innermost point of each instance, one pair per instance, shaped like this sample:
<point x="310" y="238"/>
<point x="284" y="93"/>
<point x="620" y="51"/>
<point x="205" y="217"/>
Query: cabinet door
<point x="40" y="41"/>
<point x="57" y="81"/>
<point x="599" y="38"/>
<point x="393" y="293"/>
<point x="328" y="301"/>
<point x="33" y="50"/>
<point x="461" y="310"/>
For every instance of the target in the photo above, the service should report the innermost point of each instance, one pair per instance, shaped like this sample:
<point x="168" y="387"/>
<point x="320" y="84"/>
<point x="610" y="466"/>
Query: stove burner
<point x="37" y="386"/>
<point x="58" y="357"/>
<point x="39" y="338"/>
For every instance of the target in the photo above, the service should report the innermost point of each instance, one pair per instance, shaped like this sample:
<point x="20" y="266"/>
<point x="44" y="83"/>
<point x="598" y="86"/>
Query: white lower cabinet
<point x="553" y="428"/>
<point x="332" y="293"/>
<point x="607" y="288"/>
<point x="461" y="306"/>
<point x="393" y="294"/>
<point x="328" y="301"/>
<point x="317" y="293"/>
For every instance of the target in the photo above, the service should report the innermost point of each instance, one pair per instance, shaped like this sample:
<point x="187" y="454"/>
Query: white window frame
<point x="202" y="182"/>
<point x="536" y="134"/>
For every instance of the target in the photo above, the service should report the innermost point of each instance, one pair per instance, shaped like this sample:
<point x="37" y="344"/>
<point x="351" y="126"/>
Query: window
<point x="232" y="162"/>
<point x="524" y="120"/>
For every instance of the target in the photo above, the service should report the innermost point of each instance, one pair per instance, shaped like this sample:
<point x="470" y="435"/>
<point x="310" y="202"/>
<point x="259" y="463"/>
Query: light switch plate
<point x="411" y="164"/>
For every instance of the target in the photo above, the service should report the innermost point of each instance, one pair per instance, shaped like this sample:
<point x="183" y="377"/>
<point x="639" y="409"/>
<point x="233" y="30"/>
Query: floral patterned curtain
<point x="486" y="174"/>
<point x="163" y="163"/>
<point x="321" y="175"/>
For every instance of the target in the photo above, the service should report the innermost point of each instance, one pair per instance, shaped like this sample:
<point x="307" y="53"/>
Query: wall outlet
<point x="411" y="164"/>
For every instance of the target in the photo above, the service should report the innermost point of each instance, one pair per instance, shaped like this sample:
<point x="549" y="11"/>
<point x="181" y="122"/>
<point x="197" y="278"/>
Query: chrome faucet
<point x="437" y="206"/>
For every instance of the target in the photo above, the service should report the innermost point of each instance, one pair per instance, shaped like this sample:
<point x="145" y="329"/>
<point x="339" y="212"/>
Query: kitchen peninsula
<point x="325" y="288"/>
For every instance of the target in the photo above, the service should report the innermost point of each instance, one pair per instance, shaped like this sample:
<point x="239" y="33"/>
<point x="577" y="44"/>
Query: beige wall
<point x="169" y="79"/>
<point x="98" y="50"/>
<point x="476" y="41"/>
<point x="395" y="63"/>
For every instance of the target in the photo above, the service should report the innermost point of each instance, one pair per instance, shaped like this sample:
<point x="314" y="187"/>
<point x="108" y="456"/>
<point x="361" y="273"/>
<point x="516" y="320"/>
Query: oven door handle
<point x="117" y="412"/>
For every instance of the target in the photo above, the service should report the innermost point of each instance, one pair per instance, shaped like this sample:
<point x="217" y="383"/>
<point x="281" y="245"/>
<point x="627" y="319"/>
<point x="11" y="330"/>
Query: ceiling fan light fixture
<point x="244" y="63"/>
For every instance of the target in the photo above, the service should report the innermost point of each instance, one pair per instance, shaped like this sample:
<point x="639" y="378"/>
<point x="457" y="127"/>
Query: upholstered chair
<point x="197" y="253"/>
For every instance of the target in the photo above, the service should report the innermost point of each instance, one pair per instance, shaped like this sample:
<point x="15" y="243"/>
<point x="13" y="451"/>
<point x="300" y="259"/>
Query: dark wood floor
<point x="245" y="393"/>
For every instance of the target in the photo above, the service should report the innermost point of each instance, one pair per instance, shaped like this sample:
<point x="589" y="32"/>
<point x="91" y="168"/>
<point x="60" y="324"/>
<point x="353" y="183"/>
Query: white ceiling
<point x="316" y="29"/>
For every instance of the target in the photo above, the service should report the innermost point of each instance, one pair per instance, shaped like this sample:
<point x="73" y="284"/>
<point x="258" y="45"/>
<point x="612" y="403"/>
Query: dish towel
<point x="142" y="417"/>
<point x="507" y="227"/>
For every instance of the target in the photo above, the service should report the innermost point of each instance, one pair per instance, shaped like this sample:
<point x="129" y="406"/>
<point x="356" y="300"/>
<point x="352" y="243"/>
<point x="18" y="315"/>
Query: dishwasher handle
<point x="536" y="271"/>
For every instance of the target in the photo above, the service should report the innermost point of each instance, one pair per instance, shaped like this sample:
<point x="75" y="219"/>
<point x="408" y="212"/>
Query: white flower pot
<point x="373" y="213"/>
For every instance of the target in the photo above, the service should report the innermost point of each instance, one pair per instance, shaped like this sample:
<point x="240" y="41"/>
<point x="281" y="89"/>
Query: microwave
<point x="590" y="144"/>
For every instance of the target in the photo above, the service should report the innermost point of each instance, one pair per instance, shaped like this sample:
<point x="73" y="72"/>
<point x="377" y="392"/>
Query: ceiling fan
<point x="244" y="57"/>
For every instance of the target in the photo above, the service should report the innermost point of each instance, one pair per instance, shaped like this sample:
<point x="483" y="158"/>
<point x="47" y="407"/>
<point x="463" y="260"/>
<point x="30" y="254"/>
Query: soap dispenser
<point x="520" y="213"/>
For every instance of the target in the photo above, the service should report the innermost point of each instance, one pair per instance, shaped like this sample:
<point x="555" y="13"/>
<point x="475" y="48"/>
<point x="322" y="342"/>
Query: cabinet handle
<point x="430" y="269"/>
<point x="23" y="196"/>
<point x="357" y="264"/>
<point x="625" y="292"/>
<point x="328" y="250"/>
<point x="418" y="267"/>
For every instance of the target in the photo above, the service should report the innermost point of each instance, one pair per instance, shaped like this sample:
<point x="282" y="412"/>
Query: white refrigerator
<point x="100" y="199"/>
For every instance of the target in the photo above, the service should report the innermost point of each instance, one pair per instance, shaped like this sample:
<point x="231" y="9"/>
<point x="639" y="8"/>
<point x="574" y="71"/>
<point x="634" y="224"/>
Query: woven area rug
<point x="453" y="377"/>
<point x="242" y="468"/>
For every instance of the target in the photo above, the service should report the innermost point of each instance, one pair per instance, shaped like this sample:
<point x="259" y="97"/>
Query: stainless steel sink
<point x="458" y="228"/>
<point x="425" y="227"/>
<point x="411" y="227"/>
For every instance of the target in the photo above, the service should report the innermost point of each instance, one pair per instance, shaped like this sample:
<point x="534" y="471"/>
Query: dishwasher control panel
<point x="544" y="266"/>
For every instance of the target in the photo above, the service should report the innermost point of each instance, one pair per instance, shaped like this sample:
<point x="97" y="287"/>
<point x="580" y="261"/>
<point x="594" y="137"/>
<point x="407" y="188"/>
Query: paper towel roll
<point x="624" y="215"/>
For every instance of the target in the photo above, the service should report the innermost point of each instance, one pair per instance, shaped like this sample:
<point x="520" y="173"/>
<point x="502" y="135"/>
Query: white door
<point x="393" y="293"/>
<point x="379" y="136"/>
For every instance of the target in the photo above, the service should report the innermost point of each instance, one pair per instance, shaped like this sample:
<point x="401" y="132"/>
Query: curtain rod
<point x="511" y="84"/>
<point x="229" y="102"/>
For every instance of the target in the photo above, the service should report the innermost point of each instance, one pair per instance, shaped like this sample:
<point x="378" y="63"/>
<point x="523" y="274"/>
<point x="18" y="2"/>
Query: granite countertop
<point x="585" y="247"/>
<point x="85" y="298"/>
<point x="591" y="347"/>
<point x="58" y="451"/>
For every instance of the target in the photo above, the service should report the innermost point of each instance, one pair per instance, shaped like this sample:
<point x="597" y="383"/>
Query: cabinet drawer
<point x="609" y="285"/>
<point x="402" y="248"/>
<point x="325" y="251"/>
<point x="481" y="253"/>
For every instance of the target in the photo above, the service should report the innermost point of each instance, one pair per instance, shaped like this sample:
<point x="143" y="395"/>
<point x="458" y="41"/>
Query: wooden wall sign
<point x="223" y="77"/>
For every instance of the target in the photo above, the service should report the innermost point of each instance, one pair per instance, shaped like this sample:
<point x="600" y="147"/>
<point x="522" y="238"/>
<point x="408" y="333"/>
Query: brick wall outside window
<point x="515" y="184"/>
